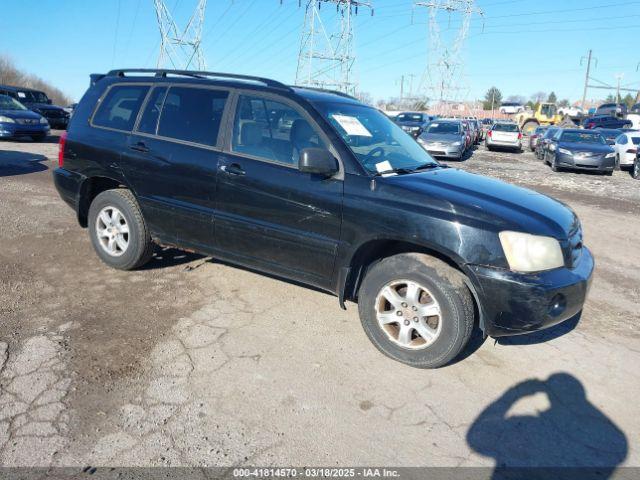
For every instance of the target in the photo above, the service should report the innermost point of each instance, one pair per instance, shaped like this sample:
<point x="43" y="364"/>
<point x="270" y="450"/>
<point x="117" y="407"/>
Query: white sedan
<point x="626" y="148"/>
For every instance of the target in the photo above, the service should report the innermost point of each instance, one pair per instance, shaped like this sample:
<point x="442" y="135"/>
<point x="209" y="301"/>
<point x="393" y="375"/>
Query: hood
<point x="585" y="147"/>
<point x="20" y="114"/>
<point x="479" y="200"/>
<point x="441" y="137"/>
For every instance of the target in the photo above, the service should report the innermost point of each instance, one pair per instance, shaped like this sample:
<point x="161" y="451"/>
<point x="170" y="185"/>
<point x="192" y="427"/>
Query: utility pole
<point x="180" y="47"/>
<point x="586" y="78"/>
<point x="402" y="87"/>
<point x="619" y="77"/>
<point x="326" y="58"/>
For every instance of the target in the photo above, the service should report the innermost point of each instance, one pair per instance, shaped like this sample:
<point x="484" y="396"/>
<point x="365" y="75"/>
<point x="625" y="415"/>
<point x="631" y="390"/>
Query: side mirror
<point x="318" y="161"/>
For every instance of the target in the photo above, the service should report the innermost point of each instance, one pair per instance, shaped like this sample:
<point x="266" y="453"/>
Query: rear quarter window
<point x="119" y="108"/>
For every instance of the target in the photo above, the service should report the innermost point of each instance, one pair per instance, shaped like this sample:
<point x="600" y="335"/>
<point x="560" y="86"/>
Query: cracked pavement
<point x="197" y="363"/>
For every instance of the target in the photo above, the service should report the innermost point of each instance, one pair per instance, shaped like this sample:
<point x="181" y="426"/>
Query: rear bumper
<point x="503" y="144"/>
<point x="515" y="304"/>
<point x="68" y="185"/>
<point x="15" y="130"/>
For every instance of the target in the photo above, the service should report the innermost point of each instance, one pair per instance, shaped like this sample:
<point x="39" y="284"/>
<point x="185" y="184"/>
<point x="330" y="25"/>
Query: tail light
<point x="489" y="133"/>
<point x="61" y="144"/>
<point x="520" y="136"/>
<point x="591" y="125"/>
<point x="632" y="150"/>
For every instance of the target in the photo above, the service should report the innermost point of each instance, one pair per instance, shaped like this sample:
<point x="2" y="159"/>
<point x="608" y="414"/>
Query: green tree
<point x="492" y="99"/>
<point x="563" y="103"/>
<point x="629" y="100"/>
<point x="552" y="98"/>
<point x="610" y="99"/>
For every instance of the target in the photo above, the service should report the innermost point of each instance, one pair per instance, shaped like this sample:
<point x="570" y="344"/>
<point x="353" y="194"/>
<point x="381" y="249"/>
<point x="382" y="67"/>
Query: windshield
<point x="8" y="103"/>
<point x="505" y="127"/>
<point x="580" y="137"/>
<point x="410" y="117"/>
<point x="30" y="96"/>
<point x="450" y="128"/>
<point x="378" y="143"/>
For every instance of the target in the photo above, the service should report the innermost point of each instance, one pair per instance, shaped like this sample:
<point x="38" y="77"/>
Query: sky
<point x="520" y="46"/>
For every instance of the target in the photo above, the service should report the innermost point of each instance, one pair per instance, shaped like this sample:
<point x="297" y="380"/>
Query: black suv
<point x="316" y="187"/>
<point x="38" y="102"/>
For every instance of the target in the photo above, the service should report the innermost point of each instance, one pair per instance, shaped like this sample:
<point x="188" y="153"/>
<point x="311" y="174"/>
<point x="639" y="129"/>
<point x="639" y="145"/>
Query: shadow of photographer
<point x="568" y="438"/>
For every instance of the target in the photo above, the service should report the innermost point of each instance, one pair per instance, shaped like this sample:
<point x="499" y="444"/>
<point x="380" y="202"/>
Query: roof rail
<point x="121" y="72"/>
<point x="334" y="92"/>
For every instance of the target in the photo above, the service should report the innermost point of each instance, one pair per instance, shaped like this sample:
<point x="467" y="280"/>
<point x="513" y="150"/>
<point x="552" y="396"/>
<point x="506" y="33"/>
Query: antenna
<point x="326" y="58"/>
<point x="442" y="79"/>
<point x="181" y="48"/>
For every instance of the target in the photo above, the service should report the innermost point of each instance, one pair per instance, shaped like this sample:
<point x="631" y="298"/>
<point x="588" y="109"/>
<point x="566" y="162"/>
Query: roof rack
<point x="162" y="73"/>
<point x="334" y="92"/>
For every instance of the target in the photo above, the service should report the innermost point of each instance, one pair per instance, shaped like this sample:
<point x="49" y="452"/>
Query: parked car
<point x="444" y="138"/>
<point x="486" y="125"/>
<point x="17" y="121"/>
<point x="346" y="203"/>
<point x="605" y="121"/>
<point x="504" y="135"/>
<point x="535" y="136"/>
<point x="612" y="109"/>
<point x="38" y="102"/>
<point x="610" y="134"/>
<point x="544" y="141"/>
<point x="626" y="148"/>
<point x="413" y="122"/>
<point x="511" y="107"/>
<point x="70" y="108"/>
<point x="580" y="150"/>
<point x="571" y="112"/>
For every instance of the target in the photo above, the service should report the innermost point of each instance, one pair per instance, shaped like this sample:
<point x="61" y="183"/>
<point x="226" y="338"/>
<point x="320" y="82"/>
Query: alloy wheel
<point x="408" y="314"/>
<point x="112" y="231"/>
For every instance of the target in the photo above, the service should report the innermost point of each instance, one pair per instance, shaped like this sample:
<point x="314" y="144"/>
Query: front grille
<point x="437" y="152"/>
<point x="27" y="121"/>
<point x="54" y="113"/>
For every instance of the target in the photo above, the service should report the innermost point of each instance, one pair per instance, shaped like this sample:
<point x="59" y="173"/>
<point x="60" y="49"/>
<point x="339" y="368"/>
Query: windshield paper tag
<point x="352" y="126"/>
<point x="22" y="95"/>
<point x="384" y="167"/>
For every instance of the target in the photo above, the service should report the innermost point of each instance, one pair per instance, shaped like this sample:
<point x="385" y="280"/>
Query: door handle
<point x="139" y="147"/>
<point x="233" y="169"/>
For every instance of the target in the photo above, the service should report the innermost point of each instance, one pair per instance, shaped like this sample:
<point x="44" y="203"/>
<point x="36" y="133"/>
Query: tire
<point x="119" y="205"/>
<point x="635" y="170"/>
<point x="554" y="167"/>
<point x="608" y="173"/>
<point x="617" y="165"/>
<point x="448" y="330"/>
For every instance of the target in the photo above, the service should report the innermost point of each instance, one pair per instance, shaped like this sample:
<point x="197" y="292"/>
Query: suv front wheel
<point x="416" y="309"/>
<point x="118" y="231"/>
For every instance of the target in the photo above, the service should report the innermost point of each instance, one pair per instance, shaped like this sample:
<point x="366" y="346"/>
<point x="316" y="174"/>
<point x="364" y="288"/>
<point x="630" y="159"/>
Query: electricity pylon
<point x="180" y="48"/>
<point x="327" y="58"/>
<point x="443" y="79"/>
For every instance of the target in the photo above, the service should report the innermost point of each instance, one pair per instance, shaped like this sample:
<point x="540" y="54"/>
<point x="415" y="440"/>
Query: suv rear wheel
<point x="416" y="309"/>
<point x="118" y="231"/>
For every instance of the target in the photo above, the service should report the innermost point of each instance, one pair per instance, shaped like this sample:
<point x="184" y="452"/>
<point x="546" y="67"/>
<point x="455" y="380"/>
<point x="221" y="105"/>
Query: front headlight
<point x="456" y="144"/>
<point x="43" y="121"/>
<point x="610" y="155"/>
<point x="531" y="253"/>
<point x="564" y="151"/>
<point x="6" y="119"/>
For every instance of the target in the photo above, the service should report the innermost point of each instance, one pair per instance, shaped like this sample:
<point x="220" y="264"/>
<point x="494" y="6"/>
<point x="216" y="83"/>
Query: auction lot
<point x="190" y="361"/>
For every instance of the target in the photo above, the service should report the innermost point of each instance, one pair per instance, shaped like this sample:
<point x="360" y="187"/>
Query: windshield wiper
<point x="392" y="171"/>
<point x="428" y="166"/>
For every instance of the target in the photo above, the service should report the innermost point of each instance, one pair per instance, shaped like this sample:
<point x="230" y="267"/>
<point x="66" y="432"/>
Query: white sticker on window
<point x="352" y="126"/>
<point x="22" y="95"/>
<point x="384" y="166"/>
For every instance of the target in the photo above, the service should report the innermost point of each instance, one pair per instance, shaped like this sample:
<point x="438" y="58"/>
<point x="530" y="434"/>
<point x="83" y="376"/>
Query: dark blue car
<point x="16" y="120"/>
<point x="38" y="102"/>
<point x="606" y="121"/>
<point x="580" y="150"/>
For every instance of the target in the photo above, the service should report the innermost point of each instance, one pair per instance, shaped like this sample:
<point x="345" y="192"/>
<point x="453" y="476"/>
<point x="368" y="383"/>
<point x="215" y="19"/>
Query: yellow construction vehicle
<point x="546" y="114"/>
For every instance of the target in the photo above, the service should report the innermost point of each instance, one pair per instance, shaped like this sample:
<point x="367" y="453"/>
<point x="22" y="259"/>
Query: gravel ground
<point x="193" y="362"/>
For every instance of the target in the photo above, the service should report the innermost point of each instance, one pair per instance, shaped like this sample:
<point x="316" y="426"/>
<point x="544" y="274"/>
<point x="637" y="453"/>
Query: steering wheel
<point x="373" y="155"/>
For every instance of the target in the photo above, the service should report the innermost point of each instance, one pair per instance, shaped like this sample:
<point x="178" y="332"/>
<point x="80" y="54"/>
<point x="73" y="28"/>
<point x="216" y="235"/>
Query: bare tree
<point x="10" y="74"/>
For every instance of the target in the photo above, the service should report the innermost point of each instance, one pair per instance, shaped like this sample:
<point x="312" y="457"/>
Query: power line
<point x="115" y="34"/>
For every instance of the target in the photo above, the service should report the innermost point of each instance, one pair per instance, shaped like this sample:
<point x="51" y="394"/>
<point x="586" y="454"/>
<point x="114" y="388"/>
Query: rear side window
<point x="119" y="108"/>
<point x="151" y="114"/>
<point x="193" y="115"/>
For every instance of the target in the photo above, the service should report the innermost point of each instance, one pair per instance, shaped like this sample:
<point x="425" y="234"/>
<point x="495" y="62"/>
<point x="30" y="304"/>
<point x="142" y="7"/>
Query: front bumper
<point x="514" y="303"/>
<point x="444" y="150"/>
<point x="58" y="123"/>
<point x="16" y="130"/>
<point x="598" y="164"/>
